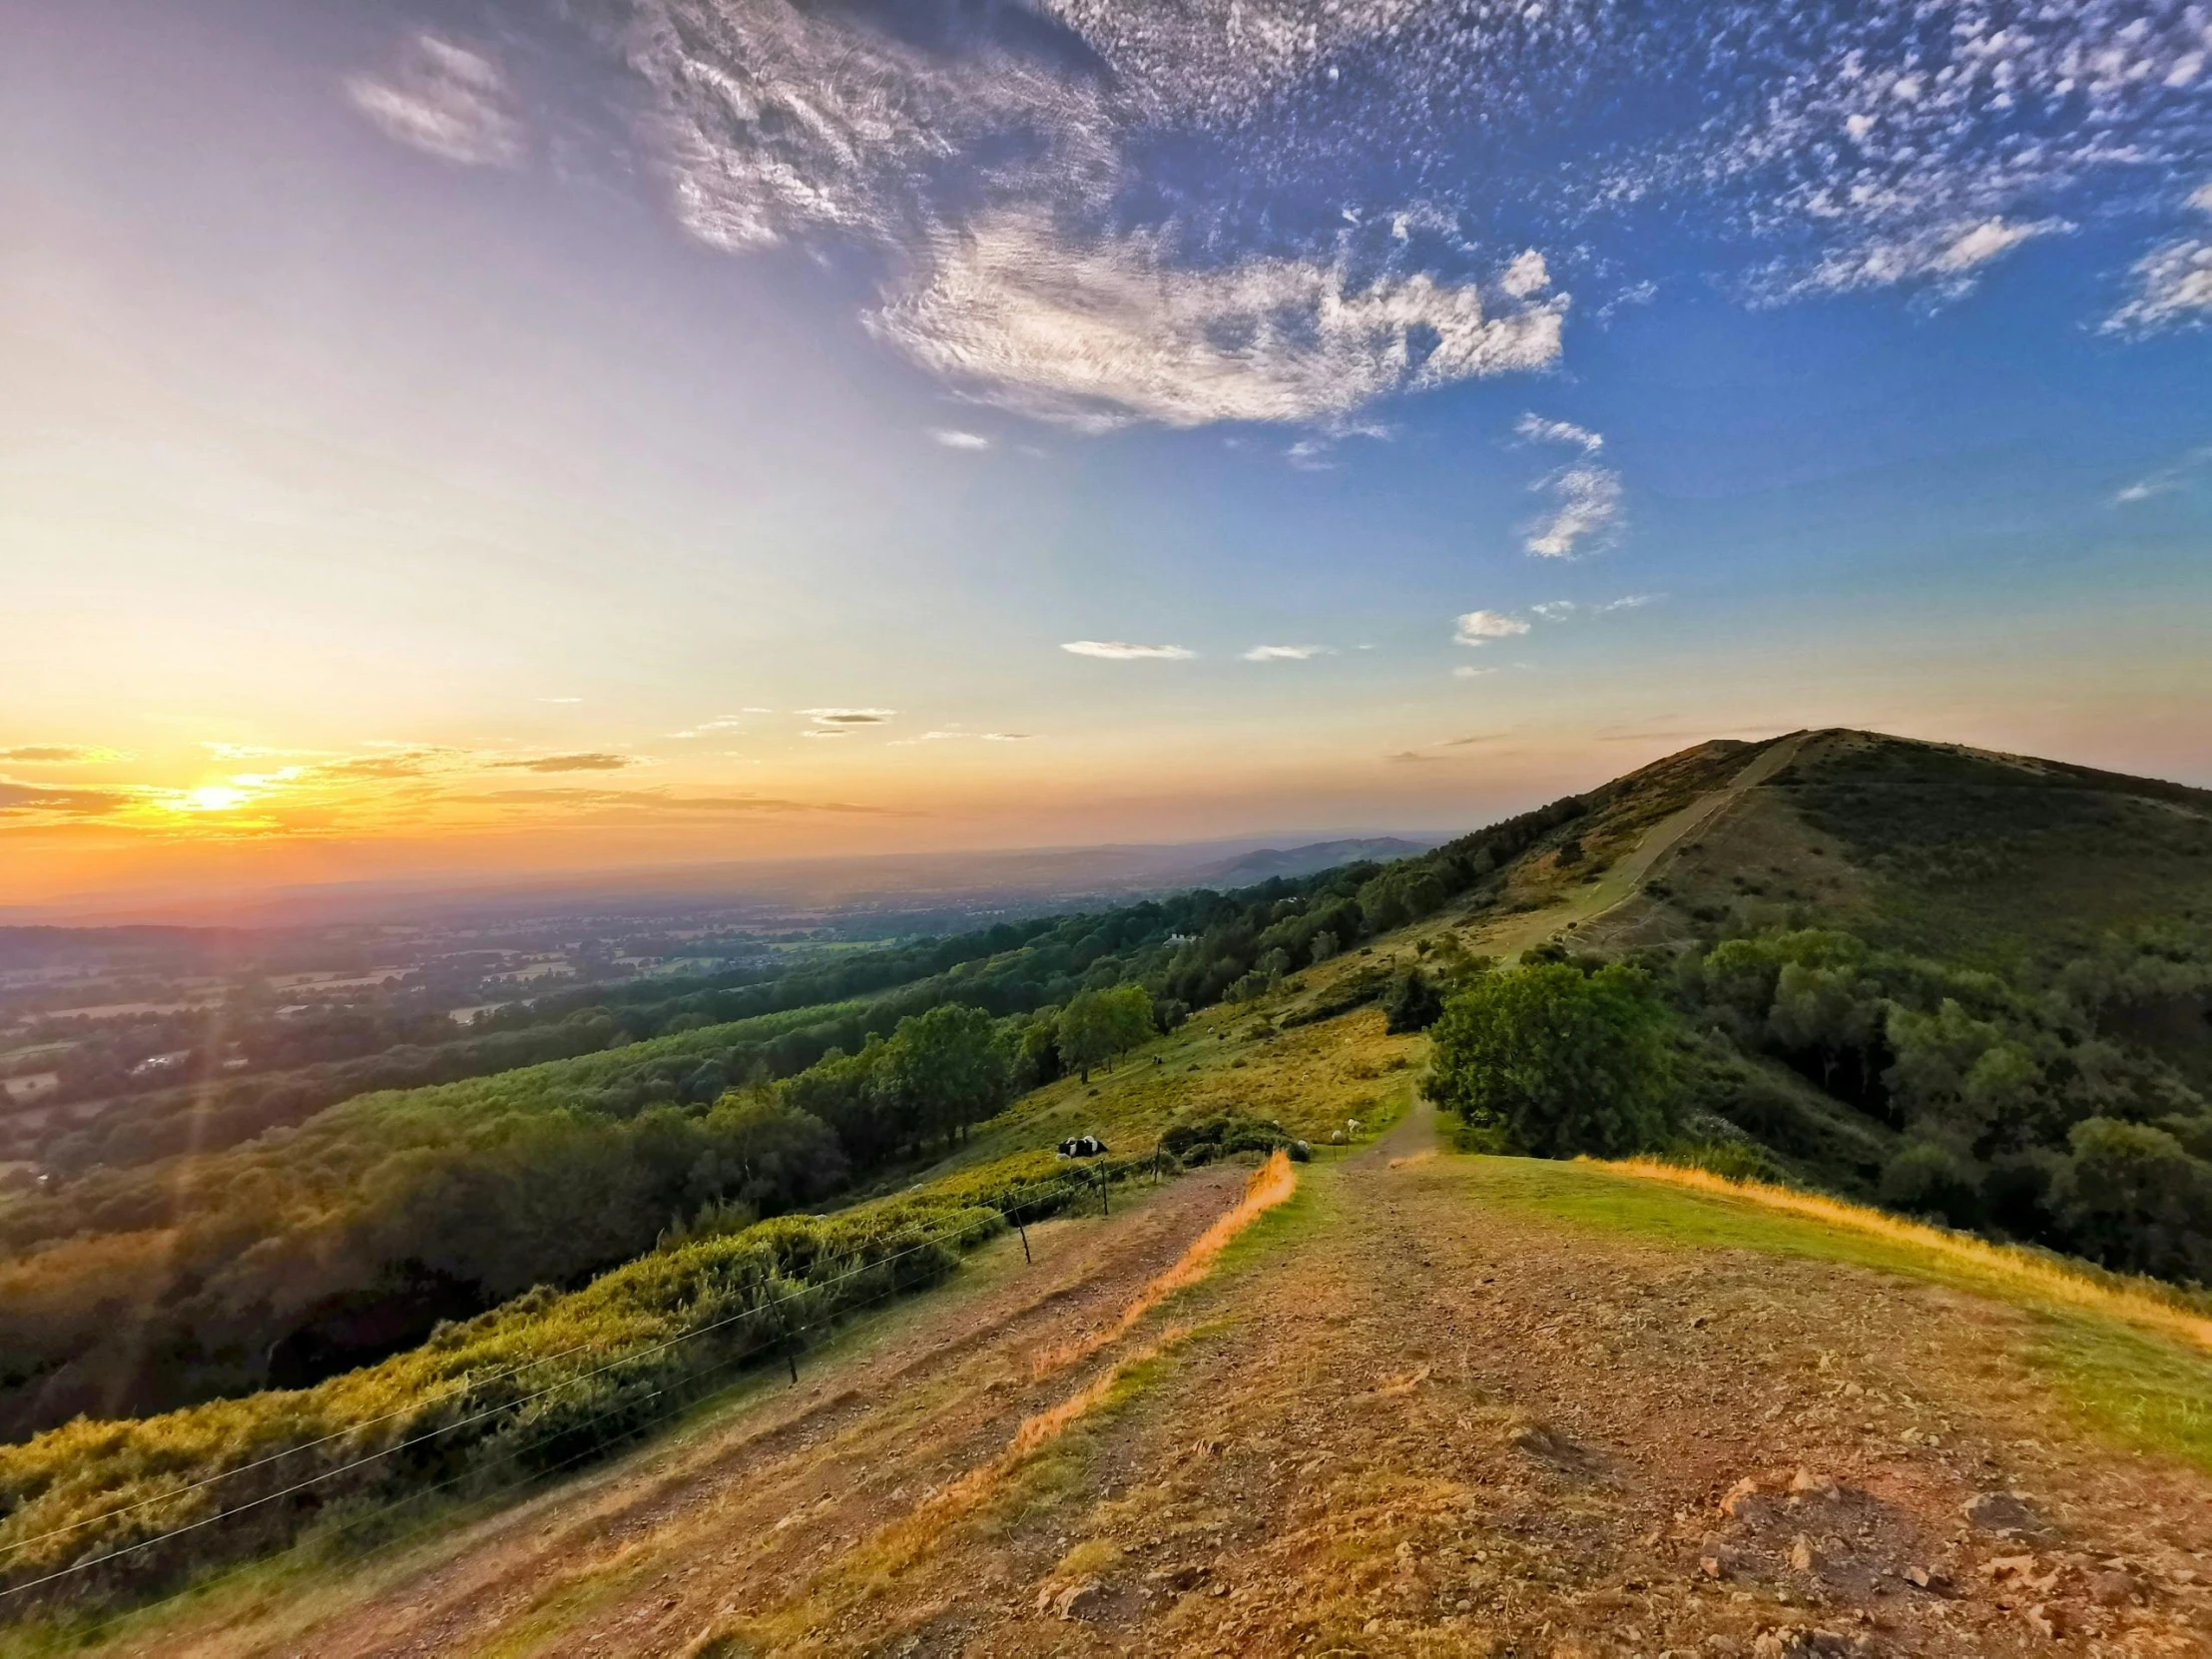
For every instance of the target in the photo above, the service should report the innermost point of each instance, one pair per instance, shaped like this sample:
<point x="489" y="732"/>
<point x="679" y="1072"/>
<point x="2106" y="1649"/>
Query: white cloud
<point x="1587" y="497"/>
<point x="1525" y="274"/>
<point x="1587" y="507"/>
<point x="1467" y="670"/>
<point x="1288" y="653"/>
<point x="1536" y="429"/>
<point x="2201" y="198"/>
<point x="1627" y="602"/>
<point x="1120" y="651"/>
<point x="954" y="735"/>
<point x="2165" y="480"/>
<point x="2173" y="288"/>
<point x="1099" y="334"/>
<point x="560" y="700"/>
<point x="1949" y="255"/>
<point x="1482" y="627"/>
<point x="952" y="438"/>
<point x="1555" y="610"/>
<point x="445" y="99"/>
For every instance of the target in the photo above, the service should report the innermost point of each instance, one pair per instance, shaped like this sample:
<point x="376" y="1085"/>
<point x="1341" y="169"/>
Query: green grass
<point x="2131" y="1388"/>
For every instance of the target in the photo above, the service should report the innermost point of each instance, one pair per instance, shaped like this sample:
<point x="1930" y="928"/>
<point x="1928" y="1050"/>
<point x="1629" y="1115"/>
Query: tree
<point x="1550" y="1060"/>
<point x="1411" y="1003"/>
<point x="1098" y="1026"/>
<point x="2134" y="1198"/>
<point x="947" y="1069"/>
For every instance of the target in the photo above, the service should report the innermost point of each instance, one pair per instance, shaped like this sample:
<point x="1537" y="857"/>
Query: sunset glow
<point x="736" y="490"/>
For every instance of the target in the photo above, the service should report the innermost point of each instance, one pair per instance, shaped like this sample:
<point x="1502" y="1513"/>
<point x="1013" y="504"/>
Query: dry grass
<point x="1270" y="1184"/>
<point x="876" y="1567"/>
<point x="2019" y="1274"/>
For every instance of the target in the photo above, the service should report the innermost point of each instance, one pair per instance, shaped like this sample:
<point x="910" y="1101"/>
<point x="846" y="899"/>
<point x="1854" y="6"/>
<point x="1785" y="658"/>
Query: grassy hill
<point x="1423" y="1347"/>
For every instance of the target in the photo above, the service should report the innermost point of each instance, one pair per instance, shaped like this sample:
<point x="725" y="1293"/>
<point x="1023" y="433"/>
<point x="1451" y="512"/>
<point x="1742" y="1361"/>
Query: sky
<point x="455" y="442"/>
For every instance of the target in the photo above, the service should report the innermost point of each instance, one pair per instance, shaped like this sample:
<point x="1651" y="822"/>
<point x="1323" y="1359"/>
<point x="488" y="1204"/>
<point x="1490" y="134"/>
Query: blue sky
<point x="752" y="404"/>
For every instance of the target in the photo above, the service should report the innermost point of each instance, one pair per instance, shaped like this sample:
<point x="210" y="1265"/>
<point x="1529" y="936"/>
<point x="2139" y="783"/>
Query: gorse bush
<point x="1551" y="1060"/>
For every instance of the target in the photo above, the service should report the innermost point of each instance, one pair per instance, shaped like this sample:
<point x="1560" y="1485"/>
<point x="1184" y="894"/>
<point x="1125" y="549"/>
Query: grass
<point x="2131" y="1359"/>
<point x="1044" y="1460"/>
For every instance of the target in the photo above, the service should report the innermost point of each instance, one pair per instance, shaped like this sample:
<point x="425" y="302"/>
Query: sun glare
<point x="212" y="798"/>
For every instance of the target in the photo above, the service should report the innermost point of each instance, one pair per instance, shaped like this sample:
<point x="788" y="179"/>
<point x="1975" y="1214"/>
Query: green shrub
<point x="1550" y="1060"/>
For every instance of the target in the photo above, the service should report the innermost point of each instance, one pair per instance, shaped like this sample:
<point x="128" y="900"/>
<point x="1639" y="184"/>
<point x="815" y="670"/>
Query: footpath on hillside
<point x="1420" y="1409"/>
<point x="1512" y="935"/>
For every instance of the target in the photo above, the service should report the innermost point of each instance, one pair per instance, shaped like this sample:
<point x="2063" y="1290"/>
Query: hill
<point x="1270" y="862"/>
<point x="1438" y="1401"/>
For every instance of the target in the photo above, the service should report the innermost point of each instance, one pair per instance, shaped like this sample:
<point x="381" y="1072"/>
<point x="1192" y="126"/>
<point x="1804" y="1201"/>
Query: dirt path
<point x="1430" y="1425"/>
<point x="1414" y="1413"/>
<point x="1510" y="935"/>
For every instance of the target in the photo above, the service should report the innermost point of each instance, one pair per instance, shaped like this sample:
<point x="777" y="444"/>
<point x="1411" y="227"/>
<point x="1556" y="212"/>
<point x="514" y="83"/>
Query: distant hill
<point x="1270" y="861"/>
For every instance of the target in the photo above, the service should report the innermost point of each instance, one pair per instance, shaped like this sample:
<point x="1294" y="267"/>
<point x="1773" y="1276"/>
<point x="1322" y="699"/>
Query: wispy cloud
<point x="61" y="755"/>
<point x="1120" y="330"/>
<point x="2173" y="289"/>
<point x="560" y="700"/>
<point x="2164" y="481"/>
<point x="1482" y="627"/>
<point x="1586" y="496"/>
<point x="55" y="801"/>
<point x="1288" y="653"/>
<point x="953" y="438"/>
<point x="444" y="99"/>
<point x="655" y="801"/>
<point x="1121" y="651"/>
<point x="593" y="760"/>
<point x="839" y="720"/>
<point x="720" y="723"/>
<point x="1949" y="257"/>
<point x="1536" y="429"/>
<point x="1467" y="670"/>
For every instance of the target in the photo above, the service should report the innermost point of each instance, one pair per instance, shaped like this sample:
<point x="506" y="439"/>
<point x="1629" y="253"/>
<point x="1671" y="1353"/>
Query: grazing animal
<point x="1082" y="1146"/>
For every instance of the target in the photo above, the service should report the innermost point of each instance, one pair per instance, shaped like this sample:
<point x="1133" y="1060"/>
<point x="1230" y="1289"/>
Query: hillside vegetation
<point x="1722" y="961"/>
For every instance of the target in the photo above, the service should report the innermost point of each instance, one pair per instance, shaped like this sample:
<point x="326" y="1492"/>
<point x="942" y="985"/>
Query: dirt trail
<point x="1416" y="1415"/>
<point x="1429" y="1425"/>
<point x="1510" y="935"/>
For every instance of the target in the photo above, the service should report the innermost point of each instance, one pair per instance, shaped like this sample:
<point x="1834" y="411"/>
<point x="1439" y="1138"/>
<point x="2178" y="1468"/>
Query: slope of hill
<point x="1272" y="861"/>
<point x="1440" y="1402"/>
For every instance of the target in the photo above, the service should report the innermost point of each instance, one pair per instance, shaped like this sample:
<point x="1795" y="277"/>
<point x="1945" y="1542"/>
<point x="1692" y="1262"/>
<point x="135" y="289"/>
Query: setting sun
<point x="212" y="797"/>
